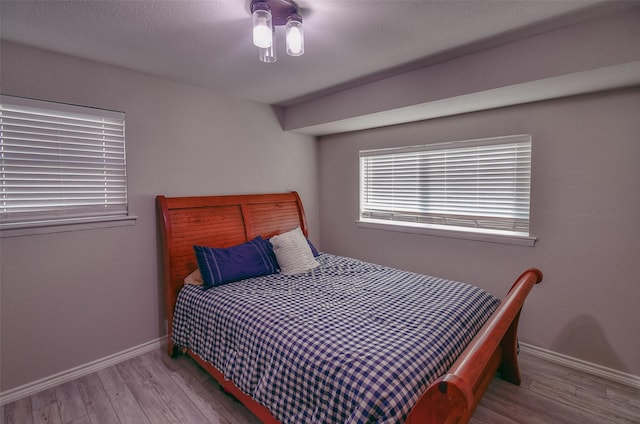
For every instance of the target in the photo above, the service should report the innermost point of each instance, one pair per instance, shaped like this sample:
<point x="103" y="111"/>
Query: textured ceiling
<point x="208" y="43"/>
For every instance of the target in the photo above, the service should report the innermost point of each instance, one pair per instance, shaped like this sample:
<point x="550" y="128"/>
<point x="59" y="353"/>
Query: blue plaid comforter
<point x="348" y="342"/>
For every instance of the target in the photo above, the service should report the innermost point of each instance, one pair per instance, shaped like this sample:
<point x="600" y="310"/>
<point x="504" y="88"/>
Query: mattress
<point x="347" y="342"/>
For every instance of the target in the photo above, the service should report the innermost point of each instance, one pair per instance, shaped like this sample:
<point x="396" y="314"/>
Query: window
<point x="466" y="187"/>
<point x="60" y="164"/>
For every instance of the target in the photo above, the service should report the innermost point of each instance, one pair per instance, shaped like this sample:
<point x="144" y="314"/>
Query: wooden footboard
<point x="454" y="397"/>
<point x="221" y="221"/>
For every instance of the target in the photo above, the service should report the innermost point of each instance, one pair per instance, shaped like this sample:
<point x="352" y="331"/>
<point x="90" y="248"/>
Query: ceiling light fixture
<point x="266" y="16"/>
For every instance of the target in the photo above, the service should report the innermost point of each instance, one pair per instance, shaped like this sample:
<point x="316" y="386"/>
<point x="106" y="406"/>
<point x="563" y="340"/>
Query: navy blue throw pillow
<point x="313" y="249"/>
<point x="224" y="265"/>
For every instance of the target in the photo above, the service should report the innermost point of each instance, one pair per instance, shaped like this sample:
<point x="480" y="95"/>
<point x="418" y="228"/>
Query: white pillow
<point x="293" y="252"/>
<point x="194" y="278"/>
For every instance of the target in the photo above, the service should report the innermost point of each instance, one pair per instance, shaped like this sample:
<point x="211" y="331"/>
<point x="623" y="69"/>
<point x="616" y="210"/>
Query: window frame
<point x="444" y="230"/>
<point x="62" y="217"/>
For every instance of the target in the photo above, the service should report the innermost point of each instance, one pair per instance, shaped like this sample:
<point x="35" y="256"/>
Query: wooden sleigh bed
<point x="222" y="221"/>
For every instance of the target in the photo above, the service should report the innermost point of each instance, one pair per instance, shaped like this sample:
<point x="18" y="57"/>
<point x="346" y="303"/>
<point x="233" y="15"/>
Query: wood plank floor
<point x="153" y="388"/>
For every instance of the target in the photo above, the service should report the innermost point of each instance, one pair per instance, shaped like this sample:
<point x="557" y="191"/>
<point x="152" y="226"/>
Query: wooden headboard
<point x="217" y="221"/>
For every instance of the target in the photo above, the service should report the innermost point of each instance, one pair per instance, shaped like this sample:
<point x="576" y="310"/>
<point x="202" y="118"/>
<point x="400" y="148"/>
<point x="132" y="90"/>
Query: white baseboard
<point x="62" y="377"/>
<point x="580" y="365"/>
<point x="54" y="380"/>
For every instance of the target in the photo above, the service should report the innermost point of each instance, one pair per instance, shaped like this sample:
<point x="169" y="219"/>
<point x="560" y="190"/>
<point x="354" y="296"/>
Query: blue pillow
<point x="313" y="249"/>
<point x="251" y="259"/>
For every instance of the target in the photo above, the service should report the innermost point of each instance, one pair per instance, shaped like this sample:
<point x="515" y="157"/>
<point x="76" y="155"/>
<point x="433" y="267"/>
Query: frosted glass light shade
<point x="268" y="54"/>
<point x="262" y="28"/>
<point x="295" y="36"/>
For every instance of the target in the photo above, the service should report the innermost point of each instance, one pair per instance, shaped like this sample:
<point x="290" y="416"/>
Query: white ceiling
<point x="208" y="43"/>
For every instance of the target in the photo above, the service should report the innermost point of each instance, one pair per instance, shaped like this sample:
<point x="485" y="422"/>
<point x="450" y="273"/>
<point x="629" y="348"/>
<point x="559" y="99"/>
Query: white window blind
<point x="481" y="184"/>
<point x="60" y="162"/>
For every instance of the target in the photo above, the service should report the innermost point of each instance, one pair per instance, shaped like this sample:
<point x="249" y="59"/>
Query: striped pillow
<point x="251" y="259"/>
<point x="293" y="252"/>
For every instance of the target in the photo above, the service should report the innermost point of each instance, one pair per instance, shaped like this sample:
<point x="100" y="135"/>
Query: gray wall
<point x="585" y="210"/>
<point x="75" y="297"/>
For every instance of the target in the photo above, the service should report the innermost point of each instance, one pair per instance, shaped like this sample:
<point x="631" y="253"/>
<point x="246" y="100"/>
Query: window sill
<point x="61" y="226"/>
<point x="457" y="232"/>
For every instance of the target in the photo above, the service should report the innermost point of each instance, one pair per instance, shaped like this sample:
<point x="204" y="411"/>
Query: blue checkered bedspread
<point x="348" y="342"/>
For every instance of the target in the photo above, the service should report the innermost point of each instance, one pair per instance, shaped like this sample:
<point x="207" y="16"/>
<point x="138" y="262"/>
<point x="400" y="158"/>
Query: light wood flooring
<point x="153" y="388"/>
